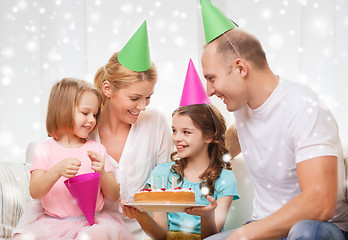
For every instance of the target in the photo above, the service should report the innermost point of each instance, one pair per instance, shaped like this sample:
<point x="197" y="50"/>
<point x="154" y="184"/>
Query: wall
<point x="43" y="41"/>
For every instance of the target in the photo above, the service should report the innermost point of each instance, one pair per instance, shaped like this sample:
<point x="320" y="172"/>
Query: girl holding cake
<point x="73" y="110"/>
<point x="198" y="130"/>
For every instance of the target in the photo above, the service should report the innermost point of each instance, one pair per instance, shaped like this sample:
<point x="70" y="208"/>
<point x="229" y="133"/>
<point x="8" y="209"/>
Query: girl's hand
<point x="68" y="167"/>
<point x="130" y="211"/>
<point x="206" y="211"/>
<point x="97" y="162"/>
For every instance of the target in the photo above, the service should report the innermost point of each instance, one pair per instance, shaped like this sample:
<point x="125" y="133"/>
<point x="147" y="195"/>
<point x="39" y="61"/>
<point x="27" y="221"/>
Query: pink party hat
<point x="193" y="92"/>
<point x="84" y="189"/>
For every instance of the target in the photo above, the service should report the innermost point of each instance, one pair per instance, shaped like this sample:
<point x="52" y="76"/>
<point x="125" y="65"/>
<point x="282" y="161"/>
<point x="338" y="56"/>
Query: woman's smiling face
<point x="127" y="103"/>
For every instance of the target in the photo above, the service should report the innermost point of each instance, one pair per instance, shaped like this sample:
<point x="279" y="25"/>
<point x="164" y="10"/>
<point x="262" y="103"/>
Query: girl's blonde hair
<point x="209" y="120"/>
<point x="121" y="77"/>
<point x="65" y="96"/>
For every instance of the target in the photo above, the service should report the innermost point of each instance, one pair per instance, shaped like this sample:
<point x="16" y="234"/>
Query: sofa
<point x="14" y="191"/>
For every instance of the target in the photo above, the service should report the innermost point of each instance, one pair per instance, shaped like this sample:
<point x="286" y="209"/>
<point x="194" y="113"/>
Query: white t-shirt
<point x="148" y="144"/>
<point x="290" y="127"/>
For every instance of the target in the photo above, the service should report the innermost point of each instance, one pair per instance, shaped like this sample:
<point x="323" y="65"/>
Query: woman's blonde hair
<point x="65" y="96"/>
<point x="120" y="77"/>
<point x="210" y="121"/>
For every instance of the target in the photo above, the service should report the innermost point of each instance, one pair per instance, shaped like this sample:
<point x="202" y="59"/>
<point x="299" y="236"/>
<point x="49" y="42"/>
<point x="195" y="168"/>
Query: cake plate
<point x="164" y="207"/>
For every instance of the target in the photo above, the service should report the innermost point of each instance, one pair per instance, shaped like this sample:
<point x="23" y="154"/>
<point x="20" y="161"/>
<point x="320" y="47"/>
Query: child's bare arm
<point x="108" y="183"/>
<point x="41" y="181"/>
<point x="213" y="216"/>
<point x="110" y="186"/>
<point x="222" y="210"/>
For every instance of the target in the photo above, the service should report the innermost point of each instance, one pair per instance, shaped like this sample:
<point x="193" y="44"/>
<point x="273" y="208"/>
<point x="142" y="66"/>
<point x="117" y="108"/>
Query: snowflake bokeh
<point x="46" y="41"/>
<point x="204" y="191"/>
<point x="226" y="158"/>
<point x="28" y="236"/>
<point x="83" y="236"/>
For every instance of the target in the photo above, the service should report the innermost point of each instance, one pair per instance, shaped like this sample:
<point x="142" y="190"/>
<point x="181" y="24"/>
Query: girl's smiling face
<point x="187" y="138"/>
<point x="85" y="115"/>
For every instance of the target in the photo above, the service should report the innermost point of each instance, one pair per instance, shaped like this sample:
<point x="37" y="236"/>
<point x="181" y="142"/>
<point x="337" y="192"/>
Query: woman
<point x="136" y="140"/>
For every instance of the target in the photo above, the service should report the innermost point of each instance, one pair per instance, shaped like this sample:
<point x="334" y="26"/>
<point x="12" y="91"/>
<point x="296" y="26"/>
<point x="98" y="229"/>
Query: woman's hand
<point x="97" y="162"/>
<point x="206" y="211"/>
<point x="130" y="211"/>
<point x="154" y="227"/>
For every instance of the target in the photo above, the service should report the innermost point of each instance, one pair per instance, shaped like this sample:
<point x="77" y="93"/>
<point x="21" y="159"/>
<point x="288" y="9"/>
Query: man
<point x="289" y="140"/>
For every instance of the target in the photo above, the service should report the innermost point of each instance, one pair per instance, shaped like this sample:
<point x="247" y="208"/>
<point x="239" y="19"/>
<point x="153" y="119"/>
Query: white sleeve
<point x="165" y="141"/>
<point x="314" y="132"/>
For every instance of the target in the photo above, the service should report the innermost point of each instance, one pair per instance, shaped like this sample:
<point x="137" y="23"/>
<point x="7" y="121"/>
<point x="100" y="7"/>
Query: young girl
<point x="198" y="134"/>
<point x="73" y="110"/>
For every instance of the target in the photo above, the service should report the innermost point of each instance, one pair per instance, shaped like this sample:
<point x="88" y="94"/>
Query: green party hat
<point x="135" y="55"/>
<point x="215" y="22"/>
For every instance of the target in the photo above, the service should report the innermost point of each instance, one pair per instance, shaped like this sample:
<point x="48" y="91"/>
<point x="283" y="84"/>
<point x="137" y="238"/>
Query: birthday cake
<point x="165" y="196"/>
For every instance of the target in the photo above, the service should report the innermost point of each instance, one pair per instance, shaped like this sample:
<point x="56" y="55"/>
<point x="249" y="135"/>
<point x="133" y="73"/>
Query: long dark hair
<point x="209" y="120"/>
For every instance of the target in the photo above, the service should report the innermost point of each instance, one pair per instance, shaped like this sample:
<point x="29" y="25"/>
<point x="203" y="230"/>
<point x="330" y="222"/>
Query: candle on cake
<point x="151" y="182"/>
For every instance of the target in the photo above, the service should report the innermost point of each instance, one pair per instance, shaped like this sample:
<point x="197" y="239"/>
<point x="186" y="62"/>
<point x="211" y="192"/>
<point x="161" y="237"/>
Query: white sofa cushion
<point x="346" y="172"/>
<point x="14" y="193"/>
<point x="241" y="209"/>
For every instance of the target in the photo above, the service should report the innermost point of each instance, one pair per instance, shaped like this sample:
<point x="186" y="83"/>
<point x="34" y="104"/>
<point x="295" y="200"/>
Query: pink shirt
<point x="58" y="202"/>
